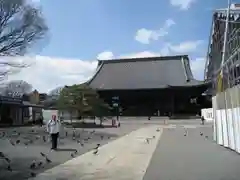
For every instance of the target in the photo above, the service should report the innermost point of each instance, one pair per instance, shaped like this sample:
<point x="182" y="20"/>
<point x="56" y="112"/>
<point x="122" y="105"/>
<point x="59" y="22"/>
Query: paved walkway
<point x="192" y="157"/>
<point x="149" y="154"/>
<point x="125" y="158"/>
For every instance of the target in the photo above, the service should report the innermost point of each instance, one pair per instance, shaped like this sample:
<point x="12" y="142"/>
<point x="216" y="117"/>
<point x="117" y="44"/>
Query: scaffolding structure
<point x="224" y="73"/>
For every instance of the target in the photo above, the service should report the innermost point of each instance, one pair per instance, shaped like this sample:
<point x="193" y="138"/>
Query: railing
<point x="228" y="75"/>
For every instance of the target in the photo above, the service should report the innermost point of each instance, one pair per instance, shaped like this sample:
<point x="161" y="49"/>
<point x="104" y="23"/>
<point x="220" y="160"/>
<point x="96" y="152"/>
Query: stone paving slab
<point x="123" y="159"/>
<point x="192" y="157"/>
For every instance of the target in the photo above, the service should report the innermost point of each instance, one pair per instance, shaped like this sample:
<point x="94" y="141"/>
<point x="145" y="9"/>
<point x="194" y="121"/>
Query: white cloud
<point x="48" y="73"/>
<point x="145" y="36"/>
<point x="185" y="47"/>
<point x="182" y="4"/>
<point x="140" y="55"/>
<point x="105" y="55"/>
<point x="132" y="55"/>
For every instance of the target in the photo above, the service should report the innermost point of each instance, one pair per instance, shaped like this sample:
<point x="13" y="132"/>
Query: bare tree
<point x="17" y="88"/>
<point x="21" y="26"/>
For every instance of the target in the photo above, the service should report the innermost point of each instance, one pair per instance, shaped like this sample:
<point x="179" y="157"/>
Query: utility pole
<point x="223" y="59"/>
<point x="225" y="36"/>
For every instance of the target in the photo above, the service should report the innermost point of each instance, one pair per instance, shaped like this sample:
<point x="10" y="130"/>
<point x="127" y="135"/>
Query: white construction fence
<point x="207" y="114"/>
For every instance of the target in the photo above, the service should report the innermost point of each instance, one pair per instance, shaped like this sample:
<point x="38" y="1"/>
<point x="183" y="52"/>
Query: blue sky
<point x="83" y="29"/>
<point x="90" y="29"/>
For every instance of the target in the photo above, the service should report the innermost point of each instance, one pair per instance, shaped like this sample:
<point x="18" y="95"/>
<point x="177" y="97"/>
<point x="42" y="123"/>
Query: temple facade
<point x="152" y="86"/>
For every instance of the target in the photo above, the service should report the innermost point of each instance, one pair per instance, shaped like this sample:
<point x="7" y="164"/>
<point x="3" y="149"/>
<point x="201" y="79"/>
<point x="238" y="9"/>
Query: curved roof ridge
<point x="169" y="71"/>
<point x="189" y="70"/>
<point x="99" y="67"/>
<point x="137" y="59"/>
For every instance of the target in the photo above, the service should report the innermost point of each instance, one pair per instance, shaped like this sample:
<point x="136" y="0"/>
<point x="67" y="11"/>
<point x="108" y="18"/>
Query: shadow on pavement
<point x="87" y="125"/>
<point x="65" y="149"/>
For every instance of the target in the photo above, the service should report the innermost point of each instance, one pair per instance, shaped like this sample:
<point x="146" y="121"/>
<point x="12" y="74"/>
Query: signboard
<point x="115" y="98"/>
<point x="10" y="100"/>
<point x="115" y="104"/>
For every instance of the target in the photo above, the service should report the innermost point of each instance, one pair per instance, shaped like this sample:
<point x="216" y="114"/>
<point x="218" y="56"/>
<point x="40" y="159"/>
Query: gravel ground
<point x="22" y="155"/>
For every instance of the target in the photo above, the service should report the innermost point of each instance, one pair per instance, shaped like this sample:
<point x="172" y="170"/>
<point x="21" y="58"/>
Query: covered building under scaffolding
<point x="225" y="76"/>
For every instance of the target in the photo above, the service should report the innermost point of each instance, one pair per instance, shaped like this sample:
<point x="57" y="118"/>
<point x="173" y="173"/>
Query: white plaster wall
<point x="47" y="114"/>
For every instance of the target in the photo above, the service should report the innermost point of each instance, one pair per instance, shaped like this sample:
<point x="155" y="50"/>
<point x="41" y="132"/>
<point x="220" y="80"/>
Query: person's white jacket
<point x="53" y="127"/>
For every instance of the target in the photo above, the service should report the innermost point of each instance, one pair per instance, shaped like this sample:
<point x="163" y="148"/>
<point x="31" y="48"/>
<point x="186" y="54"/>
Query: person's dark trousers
<point x="54" y="140"/>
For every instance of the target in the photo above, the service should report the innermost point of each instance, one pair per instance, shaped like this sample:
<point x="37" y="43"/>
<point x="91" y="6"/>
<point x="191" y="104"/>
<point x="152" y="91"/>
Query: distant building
<point x="17" y="110"/>
<point x="150" y="86"/>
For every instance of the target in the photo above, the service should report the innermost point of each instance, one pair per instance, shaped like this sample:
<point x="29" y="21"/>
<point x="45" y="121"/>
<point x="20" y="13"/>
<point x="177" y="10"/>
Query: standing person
<point x="41" y="120"/>
<point x="203" y="120"/>
<point x="53" y="127"/>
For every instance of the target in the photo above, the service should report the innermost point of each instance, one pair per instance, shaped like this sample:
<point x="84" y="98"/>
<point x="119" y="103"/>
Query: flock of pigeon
<point x="40" y="137"/>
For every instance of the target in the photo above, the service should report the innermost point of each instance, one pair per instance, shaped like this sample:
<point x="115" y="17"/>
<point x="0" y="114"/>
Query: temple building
<point x="150" y="86"/>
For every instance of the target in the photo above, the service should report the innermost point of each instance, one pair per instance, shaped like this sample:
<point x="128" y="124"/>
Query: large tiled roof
<point x="143" y="73"/>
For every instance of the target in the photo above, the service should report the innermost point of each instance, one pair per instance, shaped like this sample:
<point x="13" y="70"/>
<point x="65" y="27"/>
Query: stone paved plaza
<point x="139" y="149"/>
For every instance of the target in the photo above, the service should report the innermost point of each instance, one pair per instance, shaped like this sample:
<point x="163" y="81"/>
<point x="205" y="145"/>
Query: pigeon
<point x="48" y="160"/>
<point x="97" y="146"/>
<point x="12" y="143"/>
<point x="43" y="155"/>
<point x="75" y="151"/>
<point x="185" y="133"/>
<point x="44" y="138"/>
<point x="74" y="135"/>
<point x="33" y="165"/>
<point x="153" y="137"/>
<point x="7" y="159"/>
<point x="101" y="137"/>
<point x="66" y="133"/>
<point x="17" y="141"/>
<point x="33" y="174"/>
<point x="206" y="136"/>
<point x="158" y="130"/>
<point x="201" y="133"/>
<point x="95" y="152"/>
<point x="2" y="155"/>
<point x="40" y="163"/>
<point x="3" y="134"/>
<point x="147" y="140"/>
<point x="72" y="155"/>
<point x="9" y="168"/>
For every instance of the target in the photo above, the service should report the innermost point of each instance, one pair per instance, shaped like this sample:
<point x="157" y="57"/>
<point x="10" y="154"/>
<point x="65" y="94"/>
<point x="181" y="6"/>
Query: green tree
<point x="83" y="100"/>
